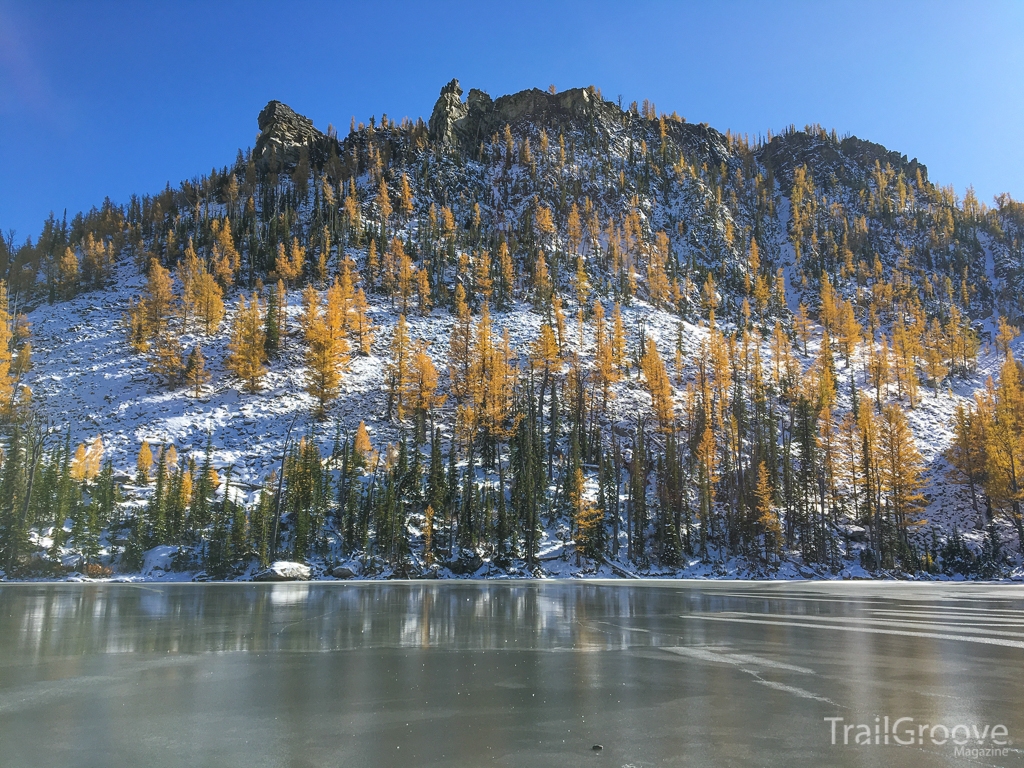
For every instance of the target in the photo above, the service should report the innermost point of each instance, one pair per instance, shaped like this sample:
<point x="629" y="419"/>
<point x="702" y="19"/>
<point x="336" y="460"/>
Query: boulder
<point x="856" y="533"/>
<point x="466" y="563"/>
<point x="284" y="570"/>
<point x="159" y="558"/>
<point x="347" y="570"/>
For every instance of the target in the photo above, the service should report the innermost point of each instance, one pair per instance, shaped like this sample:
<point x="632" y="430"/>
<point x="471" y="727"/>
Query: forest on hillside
<point x="595" y="335"/>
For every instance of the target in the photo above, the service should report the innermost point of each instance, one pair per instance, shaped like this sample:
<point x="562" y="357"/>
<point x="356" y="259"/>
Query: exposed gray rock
<point x="347" y="570"/>
<point x="284" y="570"/>
<point x="283" y="134"/>
<point x="465" y="124"/>
<point x="448" y="112"/>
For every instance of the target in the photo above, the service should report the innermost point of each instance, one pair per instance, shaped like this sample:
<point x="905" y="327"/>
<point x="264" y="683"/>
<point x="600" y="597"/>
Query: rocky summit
<point x="538" y="334"/>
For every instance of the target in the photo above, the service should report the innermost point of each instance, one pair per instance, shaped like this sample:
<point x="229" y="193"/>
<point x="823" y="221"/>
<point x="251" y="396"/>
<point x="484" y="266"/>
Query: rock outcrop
<point x="849" y="159"/>
<point x="284" y="570"/>
<point x="285" y="132"/>
<point x="465" y="123"/>
<point x="449" y="112"/>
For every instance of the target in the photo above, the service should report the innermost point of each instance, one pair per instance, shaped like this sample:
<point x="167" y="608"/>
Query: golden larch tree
<point x="658" y="386"/>
<point x="246" y="351"/>
<point x="766" y="514"/>
<point x="143" y="464"/>
<point x="421" y="395"/>
<point x="326" y="346"/>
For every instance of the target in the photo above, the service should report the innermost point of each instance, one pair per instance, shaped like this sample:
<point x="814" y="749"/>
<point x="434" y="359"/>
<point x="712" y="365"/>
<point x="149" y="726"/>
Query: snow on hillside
<point x="88" y="379"/>
<point x="707" y="195"/>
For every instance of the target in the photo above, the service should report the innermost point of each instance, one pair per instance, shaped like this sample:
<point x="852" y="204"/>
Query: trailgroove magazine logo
<point x="967" y="739"/>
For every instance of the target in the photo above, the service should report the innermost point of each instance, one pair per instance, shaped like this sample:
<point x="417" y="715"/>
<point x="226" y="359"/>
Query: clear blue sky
<point x="101" y="99"/>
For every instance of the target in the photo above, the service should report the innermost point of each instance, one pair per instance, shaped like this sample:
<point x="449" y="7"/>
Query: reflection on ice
<point x="467" y="673"/>
<point x="289" y="594"/>
<point x="62" y="620"/>
<point x="112" y="618"/>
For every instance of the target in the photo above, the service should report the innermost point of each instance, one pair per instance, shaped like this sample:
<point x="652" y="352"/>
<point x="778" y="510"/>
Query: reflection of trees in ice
<point x="114" y="618"/>
<point x="64" y="620"/>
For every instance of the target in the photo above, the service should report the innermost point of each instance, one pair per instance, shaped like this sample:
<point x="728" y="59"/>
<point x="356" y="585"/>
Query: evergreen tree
<point x="195" y="374"/>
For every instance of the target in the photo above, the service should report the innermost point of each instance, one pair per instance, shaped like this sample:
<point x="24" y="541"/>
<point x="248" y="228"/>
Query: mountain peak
<point x="283" y="134"/>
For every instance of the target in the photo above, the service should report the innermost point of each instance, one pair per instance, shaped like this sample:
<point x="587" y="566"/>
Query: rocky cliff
<point x="284" y="133"/>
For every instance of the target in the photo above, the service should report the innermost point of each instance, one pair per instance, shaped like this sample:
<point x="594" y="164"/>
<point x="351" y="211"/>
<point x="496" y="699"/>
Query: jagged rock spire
<point x="284" y="132"/>
<point x="448" y="112"/>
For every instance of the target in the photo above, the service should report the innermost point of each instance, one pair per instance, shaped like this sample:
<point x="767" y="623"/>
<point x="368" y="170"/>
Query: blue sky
<point x="106" y="99"/>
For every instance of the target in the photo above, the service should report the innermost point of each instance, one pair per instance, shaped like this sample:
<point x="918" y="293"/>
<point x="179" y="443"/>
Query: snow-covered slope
<point x="630" y="177"/>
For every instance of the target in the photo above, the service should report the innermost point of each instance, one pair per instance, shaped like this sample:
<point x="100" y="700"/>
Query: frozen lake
<point x="511" y="674"/>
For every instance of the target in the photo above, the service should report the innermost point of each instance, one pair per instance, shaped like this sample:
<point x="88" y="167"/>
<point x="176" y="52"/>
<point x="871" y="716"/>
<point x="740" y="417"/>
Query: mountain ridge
<point x="753" y="291"/>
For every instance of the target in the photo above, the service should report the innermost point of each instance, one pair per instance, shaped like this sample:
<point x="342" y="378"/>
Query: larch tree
<point x="605" y="371"/>
<point x="421" y="395"/>
<point x="67" y="274"/>
<point x="618" y="337"/>
<point x="166" y="357"/>
<point x="767" y="515"/>
<point x="326" y="345"/>
<point x="7" y="377"/>
<point x="542" y="288"/>
<point x="1006" y="333"/>
<point x="574" y="229"/>
<point x="323" y="258"/>
<point x="421" y="277"/>
<point x="588" y="519"/>
<point x="225" y="259"/>
<point x="936" y="355"/>
<point x="1005" y="441"/>
<point x="405" y="202"/>
<point x="143" y="464"/>
<point x="802" y="325"/>
<point x="346" y="290"/>
<point x="659" y="387"/>
<point x="150" y="315"/>
<point x="372" y="266"/>
<point x="706" y="459"/>
<point x="187" y="272"/>
<point x="384" y="209"/>
<point x="506" y="271"/>
<point x="543" y="223"/>
<point x="966" y="453"/>
<point x="271" y="323"/>
<point x="362" y="447"/>
<point x="544" y="352"/>
<point x="879" y="370"/>
<point x="208" y="301"/>
<point x="403" y="282"/>
<point x="459" y="346"/>
<point x="359" y="324"/>
<point x="902" y="468"/>
<point x="492" y="380"/>
<point x="482" y="281"/>
<point x="246" y="351"/>
<point x="289" y="264"/>
<point x="657" y="279"/>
